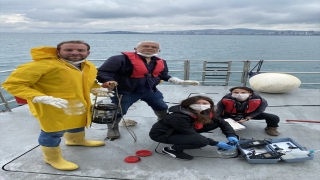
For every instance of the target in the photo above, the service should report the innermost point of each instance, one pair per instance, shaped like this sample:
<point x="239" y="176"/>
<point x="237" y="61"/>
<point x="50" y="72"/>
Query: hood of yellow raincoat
<point x="43" y="52"/>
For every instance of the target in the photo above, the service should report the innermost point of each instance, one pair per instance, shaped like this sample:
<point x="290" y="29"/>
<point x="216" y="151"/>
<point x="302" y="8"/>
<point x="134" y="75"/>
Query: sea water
<point x="15" y="50"/>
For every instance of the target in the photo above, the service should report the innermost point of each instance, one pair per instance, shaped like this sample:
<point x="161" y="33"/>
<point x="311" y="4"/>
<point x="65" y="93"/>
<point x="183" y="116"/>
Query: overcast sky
<point x="157" y="15"/>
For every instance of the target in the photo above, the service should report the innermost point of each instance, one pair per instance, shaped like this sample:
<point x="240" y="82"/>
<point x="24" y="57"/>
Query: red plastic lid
<point x="143" y="153"/>
<point x="131" y="159"/>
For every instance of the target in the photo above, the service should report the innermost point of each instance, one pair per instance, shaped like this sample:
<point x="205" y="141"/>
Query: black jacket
<point x="180" y="121"/>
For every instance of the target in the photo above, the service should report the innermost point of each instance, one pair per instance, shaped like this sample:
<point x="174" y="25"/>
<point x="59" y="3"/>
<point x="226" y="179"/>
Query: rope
<point x="308" y="121"/>
<point x="259" y="64"/>
<point x="198" y="156"/>
<point x="53" y="174"/>
<point x="131" y="132"/>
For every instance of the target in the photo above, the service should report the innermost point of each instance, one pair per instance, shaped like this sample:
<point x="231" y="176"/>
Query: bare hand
<point x="110" y="84"/>
<point x="242" y="121"/>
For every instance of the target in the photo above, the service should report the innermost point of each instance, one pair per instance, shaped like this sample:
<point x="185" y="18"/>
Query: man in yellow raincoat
<point x="55" y="77"/>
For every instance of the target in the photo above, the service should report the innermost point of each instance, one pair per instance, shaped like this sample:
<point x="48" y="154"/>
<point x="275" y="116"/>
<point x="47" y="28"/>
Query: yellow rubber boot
<point x="77" y="139"/>
<point x="53" y="156"/>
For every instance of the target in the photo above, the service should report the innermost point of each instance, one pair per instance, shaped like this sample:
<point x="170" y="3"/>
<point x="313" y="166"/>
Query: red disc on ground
<point x="131" y="159"/>
<point x="143" y="153"/>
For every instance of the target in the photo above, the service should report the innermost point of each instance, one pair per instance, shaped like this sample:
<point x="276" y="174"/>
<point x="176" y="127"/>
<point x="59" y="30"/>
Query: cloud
<point x="14" y="18"/>
<point x="158" y="15"/>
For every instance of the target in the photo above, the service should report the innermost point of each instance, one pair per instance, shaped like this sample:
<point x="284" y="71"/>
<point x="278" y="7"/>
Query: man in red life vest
<point x="243" y="104"/>
<point x="136" y="75"/>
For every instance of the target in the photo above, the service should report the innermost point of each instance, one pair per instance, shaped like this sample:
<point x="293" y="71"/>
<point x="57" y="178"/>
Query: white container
<point x="74" y="107"/>
<point x="296" y="154"/>
<point x="227" y="153"/>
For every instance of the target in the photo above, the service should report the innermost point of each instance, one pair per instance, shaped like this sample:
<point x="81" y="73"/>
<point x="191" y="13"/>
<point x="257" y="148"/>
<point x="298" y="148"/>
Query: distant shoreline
<point x="238" y="31"/>
<point x="161" y="34"/>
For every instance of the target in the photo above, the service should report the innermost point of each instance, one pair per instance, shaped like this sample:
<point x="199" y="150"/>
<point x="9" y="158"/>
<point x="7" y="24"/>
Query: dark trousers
<point x="187" y="141"/>
<point x="153" y="99"/>
<point x="272" y="120"/>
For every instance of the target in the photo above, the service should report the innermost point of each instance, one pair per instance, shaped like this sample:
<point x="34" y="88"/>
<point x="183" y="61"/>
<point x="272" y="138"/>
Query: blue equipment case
<point x="272" y="147"/>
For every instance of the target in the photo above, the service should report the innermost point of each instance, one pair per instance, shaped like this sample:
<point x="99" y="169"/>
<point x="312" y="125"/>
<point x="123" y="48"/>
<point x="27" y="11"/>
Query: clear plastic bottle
<point x="74" y="107"/>
<point x="228" y="153"/>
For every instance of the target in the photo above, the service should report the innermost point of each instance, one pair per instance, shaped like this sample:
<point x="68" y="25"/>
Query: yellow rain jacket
<point x="48" y="75"/>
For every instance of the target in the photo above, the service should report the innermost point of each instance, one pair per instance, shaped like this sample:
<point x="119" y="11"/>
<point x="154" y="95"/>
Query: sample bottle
<point x="228" y="153"/>
<point x="74" y="107"/>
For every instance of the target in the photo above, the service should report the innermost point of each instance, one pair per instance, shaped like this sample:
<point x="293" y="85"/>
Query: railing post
<point x="186" y="70"/>
<point x="4" y="101"/>
<point x="228" y="73"/>
<point x="204" y="72"/>
<point x="245" y="72"/>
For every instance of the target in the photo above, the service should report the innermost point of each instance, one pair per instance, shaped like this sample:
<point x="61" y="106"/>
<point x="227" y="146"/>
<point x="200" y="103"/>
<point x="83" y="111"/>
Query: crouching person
<point x="243" y="104"/>
<point x="56" y="76"/>
<point x="182" y="127"/>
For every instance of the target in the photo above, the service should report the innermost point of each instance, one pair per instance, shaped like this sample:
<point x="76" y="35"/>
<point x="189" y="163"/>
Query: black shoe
<point x="177" y="154"/>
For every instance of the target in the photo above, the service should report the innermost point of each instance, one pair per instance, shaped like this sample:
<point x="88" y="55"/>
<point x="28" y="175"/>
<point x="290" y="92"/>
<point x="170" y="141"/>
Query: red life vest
<point x="197" y="125"/>
<point x="253" y="104"/>
<point x="139" y="68"/>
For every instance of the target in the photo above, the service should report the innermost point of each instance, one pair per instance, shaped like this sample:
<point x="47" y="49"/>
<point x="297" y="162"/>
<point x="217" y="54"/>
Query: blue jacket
<point x="119" y="68"/>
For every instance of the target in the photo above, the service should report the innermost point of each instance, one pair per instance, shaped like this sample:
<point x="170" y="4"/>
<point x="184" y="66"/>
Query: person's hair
<point x="147" y="42"/>
<point x="204" y="116"/>
<point x="241" y="87"/>
<point x="73" y="42"/>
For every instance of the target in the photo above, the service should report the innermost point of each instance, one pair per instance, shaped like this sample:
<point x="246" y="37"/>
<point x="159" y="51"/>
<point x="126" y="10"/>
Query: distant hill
<point x="240" y="31"/>
<point x="237" y="31"/>
<point x="121" y="32"/>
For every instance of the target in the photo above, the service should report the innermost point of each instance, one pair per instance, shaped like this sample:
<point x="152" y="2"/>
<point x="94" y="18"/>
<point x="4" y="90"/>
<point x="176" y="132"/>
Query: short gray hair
<point x="145" y="42"/>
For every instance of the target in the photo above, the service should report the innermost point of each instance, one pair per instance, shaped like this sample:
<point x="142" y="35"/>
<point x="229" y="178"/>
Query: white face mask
<point x="147" y="55"/>
<point x="200" y="107"/>
<point x="74" y="62"/>
<point x="240" y="97"/>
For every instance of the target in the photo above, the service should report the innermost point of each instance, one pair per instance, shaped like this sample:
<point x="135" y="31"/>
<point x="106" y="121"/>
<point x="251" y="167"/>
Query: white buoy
<point x="274" y="82"/>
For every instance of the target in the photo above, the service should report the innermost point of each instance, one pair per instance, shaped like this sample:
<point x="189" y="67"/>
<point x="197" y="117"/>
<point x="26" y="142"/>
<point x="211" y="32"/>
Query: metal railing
<point x="188" y="72"/>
